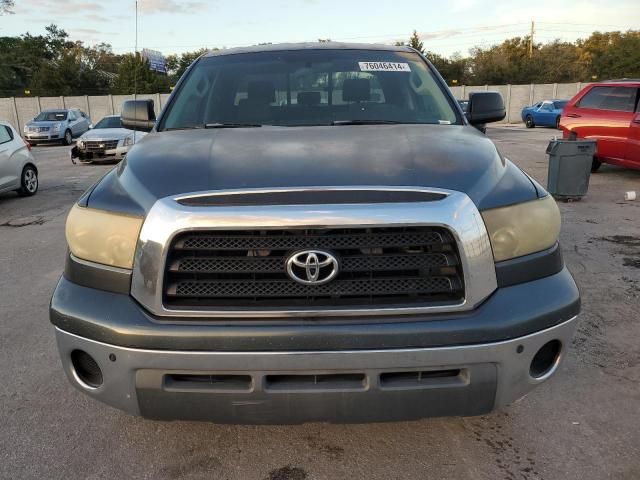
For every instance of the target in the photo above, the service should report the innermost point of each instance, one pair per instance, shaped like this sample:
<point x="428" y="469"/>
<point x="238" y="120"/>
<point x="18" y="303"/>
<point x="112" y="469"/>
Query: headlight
<point x="25" y="129"/>
<point x="128" y="141"/>
<point x="56" y="127"/>
<point x="102" y="237"/>
<point x="80" y="144"/>
<point x="523" y="228"/>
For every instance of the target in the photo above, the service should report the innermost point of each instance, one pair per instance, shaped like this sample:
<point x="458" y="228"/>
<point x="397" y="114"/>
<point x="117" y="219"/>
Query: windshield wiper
<point x="232" y="125"/>
<point x="190" y="127"/>
<point x="366" y="122"/>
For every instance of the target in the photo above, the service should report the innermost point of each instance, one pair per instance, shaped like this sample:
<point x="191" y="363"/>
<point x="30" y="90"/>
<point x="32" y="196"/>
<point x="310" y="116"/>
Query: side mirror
<point x="485" y="107"/>
<point x="138" y="115"/>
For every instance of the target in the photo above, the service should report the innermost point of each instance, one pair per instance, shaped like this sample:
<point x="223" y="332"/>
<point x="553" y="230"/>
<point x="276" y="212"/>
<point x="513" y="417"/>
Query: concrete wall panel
<point x="515" y="96"/>
<point x="27" y="109"/>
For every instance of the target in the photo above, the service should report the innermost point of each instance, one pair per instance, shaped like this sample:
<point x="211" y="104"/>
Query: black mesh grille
<point x="400" y="266"/>
<point x="284" y="288"/>
<point x="274" y="265"/>
<point x="278" y="242"/>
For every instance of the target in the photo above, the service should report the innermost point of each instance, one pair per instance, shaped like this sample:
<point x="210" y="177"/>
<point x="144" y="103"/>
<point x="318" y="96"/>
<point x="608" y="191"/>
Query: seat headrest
<point x="262" y="91"/>
<point x="356" y="90"/>
<point x="309" y="98"/>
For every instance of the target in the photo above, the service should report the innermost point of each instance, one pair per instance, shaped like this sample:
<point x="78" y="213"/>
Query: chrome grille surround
<point x="455" y="212"/>
<point x="100" y="145"/>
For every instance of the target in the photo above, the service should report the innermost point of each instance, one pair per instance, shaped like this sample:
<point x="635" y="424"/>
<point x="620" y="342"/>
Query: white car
<point x="18" y="169"/>
<point x="107" y="140"/>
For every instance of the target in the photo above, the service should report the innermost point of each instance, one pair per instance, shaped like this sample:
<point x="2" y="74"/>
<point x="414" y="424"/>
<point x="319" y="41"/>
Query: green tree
<point x="50" y="64"/>
<point x="505" y="63"/>
<point x="6" y="6"/>
<point x="415" y="42"/>
<point x="178" y="64"/>
<point x="78" y="70"/>
<point x="134" y="75"/>
<point x="611" y="55"/>
<point x="452" y="68"/>
<point x="558" y="62"/>
<point x="21" y="57"/>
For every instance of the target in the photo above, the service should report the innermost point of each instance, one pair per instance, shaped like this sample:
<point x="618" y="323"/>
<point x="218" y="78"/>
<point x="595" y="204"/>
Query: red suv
<point x="607" y="112"/>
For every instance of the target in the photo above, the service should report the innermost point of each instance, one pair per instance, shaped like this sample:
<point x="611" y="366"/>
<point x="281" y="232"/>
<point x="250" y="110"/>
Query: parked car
<point x="349" y="257"/>
<point x="18" y="169"/>
<point x="610" y="113"/>
<point x="58" y="126"/>
<point x="108" y="139"/>
<point x="543" y="114"/>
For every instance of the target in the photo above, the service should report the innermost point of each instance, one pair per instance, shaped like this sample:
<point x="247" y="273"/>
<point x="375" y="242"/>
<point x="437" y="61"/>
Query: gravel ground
<point x="582" y="424"/>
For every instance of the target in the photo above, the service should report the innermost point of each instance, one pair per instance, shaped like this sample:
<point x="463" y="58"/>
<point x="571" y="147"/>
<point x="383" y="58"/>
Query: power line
<point x="586" y="24"/>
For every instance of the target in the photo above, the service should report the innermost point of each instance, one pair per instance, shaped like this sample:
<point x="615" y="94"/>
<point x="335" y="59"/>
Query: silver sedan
<point x="60" y="125"/>
<point x="108" y="140"/>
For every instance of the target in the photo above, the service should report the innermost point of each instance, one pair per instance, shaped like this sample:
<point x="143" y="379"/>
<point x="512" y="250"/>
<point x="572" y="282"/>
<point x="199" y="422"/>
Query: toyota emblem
<point x="312" y="267"/>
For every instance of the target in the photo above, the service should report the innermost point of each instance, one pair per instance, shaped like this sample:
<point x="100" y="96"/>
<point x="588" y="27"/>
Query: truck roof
<point x="309" y="46"/>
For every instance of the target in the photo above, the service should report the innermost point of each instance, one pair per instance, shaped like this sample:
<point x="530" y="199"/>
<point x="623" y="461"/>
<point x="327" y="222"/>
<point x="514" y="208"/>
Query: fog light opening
<point x="86" y="370"/>
<point x="546" y="360"/>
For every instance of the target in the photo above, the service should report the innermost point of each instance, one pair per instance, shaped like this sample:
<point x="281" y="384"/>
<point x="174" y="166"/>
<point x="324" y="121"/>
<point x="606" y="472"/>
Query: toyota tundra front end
<point x="313" y="232"/>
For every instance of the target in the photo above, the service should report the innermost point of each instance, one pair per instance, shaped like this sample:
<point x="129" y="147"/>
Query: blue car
<point x="543" y="114"/>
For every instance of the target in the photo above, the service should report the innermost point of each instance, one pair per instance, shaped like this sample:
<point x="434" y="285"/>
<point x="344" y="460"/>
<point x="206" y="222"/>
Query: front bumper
<point x="248" y="371"/>
<point x="117" y="153"/>
<point x="350" y="386"/>
<point x="43" y="137"/>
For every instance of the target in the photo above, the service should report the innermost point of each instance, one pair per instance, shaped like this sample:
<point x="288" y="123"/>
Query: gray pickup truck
<point x="313" y="232"/>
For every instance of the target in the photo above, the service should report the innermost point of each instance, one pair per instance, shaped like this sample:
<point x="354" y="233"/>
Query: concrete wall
<point x="18" y="111"/>
<point x="518" y="96"/>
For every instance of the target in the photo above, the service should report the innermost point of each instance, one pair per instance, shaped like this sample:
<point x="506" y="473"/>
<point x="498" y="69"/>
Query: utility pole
<point x="531" y="41"/>
<point x="135" y="58"/>
<point x="135" y="69"/>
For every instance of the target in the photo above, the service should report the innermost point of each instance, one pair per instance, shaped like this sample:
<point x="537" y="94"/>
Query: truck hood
<point x="444" y="156"/>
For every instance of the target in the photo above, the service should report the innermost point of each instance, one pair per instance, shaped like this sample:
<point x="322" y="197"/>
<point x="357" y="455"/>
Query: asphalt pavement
<point x="582" y="424"/>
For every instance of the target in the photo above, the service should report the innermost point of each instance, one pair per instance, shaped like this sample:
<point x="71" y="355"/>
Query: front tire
<point x="595" y="165"/>
<point x="28" y="181"/>
<point x="557" y="123"/>
<point x="528" y="121"/>
<point x="68" y="138"/>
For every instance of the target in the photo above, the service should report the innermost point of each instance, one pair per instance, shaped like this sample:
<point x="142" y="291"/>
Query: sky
<point x="445" y="26"/>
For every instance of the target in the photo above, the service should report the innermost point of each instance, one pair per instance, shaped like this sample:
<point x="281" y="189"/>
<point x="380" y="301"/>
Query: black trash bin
<point x="569" y="168"/>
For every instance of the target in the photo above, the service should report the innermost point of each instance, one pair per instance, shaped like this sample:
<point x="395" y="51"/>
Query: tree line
<point x="52" y="65"/>
<point x="601" y="56"/>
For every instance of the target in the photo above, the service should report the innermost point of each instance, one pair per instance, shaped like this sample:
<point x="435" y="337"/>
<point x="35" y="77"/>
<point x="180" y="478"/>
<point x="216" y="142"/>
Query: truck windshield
<point x="309" y="87"/>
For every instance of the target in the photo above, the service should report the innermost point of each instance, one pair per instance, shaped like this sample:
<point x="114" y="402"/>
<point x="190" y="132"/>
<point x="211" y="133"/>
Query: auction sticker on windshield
<point x="384" y="67"/>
